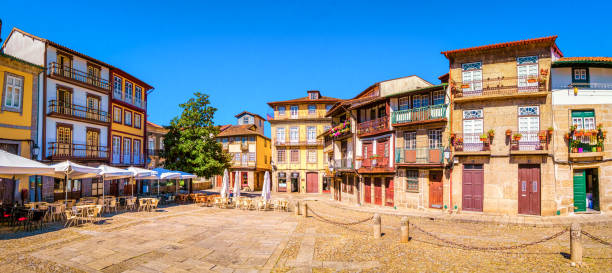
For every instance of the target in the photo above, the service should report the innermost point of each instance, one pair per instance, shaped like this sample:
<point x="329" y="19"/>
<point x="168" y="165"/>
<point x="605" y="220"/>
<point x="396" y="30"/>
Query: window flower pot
<point x="580" y="150"/>
<point x="593" y="149"/>
<point x="598" y="149"/>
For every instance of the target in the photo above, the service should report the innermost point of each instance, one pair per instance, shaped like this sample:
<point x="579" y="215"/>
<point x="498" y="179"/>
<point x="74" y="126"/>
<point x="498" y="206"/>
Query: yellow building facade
<point x="297" y="153"/>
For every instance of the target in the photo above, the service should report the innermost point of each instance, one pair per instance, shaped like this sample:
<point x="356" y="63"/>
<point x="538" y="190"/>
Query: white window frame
<point x="118" y="87"/>
<point x="410" y="140"/>
<point x="294" y="134"/>
<point x="434" y="137"/>
<point x="311" y="134"/>
<point x="312" y="109"/>
<point x="15" y="83"/>
<point x="294" y="111"/>
<point x="281" y="110"/>
<point x="312" y="156"/>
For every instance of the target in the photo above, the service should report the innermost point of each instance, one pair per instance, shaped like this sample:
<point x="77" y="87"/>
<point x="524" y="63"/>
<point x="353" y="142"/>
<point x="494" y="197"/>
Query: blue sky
<point x="245" y="54"/>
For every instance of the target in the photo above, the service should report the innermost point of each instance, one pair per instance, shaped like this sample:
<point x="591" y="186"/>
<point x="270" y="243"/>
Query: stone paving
<point x="191" y="238"/>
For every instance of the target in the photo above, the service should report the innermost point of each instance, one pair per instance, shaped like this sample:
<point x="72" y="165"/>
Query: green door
<point x="579" y="190"/>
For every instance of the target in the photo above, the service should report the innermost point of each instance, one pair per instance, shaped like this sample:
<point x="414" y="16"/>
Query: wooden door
<point x="93" y="108"/>
<point x="382" y="150"/>
<point x="367" y="154"/>
<point x="435" y="189"/>
<point x="579" y="190"/>
<point x="312" y="182"/>
<point x="64" y="102"/>
<point x="473" y="187"/>
<point x="93" y="142"/>
<point x="529" y="189"/>
<point x="367" y="190"/>
<point x="389" y="193"/>
<point x="64" y="141"/>
<point x="377" y="191"/>
<point x="7" y="191"/>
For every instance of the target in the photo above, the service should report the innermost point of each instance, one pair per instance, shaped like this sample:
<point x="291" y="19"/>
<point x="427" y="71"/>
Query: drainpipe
<point x="354" y="152"/>
<point x="450" y="121"/>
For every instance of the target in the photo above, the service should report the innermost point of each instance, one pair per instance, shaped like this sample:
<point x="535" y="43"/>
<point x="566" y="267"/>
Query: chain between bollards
<point x="376" y="226"/>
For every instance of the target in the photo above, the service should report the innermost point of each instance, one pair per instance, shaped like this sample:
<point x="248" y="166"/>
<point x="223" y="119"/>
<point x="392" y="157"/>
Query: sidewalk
<point x="469" y="217"/>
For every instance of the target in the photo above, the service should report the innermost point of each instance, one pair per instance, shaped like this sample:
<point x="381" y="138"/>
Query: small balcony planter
<point x="580" y="150"/>
<point x="550" y="130"/>
<point x="579" y="133"/>
<point x="483" y="138"/>
<point x="517" y="137"/>
<point x="508" y="132"/>
<point x="491" y="133"/>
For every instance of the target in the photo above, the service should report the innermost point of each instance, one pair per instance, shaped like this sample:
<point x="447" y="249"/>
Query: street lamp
<point x="447" y="154"/>
<point x="35" y="151"/>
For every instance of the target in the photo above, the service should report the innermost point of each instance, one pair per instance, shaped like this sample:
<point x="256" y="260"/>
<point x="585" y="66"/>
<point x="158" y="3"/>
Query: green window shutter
<point x="583" y="113"/>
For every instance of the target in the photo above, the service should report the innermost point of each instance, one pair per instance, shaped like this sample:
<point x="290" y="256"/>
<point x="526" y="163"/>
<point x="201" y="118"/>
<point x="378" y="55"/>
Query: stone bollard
<point x="576" y="244"/>
<point x="305" y="210"/>
<point x="376" y="226"/>
<point x="405" y="230"/>
<point x="297" y="208"/>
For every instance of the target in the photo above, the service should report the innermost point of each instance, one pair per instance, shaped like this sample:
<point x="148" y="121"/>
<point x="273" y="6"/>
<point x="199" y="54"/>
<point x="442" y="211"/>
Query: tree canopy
<point x="190" y="144"/>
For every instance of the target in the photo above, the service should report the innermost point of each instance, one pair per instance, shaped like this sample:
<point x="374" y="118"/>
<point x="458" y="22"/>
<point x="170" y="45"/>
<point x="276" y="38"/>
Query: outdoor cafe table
<point x="81" y="210"/>
<point x="148" y="201"/>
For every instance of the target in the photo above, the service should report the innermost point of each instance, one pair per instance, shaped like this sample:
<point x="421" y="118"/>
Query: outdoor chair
<point x="111" y="205"/>
<point x="141" y="204"/>
<point x="71" y="218"/>
<point x="130" y="204"/>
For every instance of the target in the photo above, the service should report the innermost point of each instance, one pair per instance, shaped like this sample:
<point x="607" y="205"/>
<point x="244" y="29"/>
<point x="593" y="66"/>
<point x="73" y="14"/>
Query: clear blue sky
<point x="245" y="54"/>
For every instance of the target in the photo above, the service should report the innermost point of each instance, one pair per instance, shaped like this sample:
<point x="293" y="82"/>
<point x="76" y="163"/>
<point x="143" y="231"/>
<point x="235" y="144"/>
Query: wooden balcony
<point x="372" y="127"/>
<point x="73" y="151"/>
<point x="340" y="131"/>
<point x="345" y="163"/>
<point x="500" y="88"/>
<point x="586" y="145"/>
<point x="432" y="113"/>
<point x="77" y="112"/>
<point x="78" y="77"/>
<point x="471" y="144"/>
<point x="419" y="156"/>
<point x="530" y="142"/>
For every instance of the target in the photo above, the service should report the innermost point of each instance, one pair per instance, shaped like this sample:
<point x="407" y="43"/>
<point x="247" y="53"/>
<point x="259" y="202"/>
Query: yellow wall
<point x="302" y="111"/>
<point x="263" y="150"/>
<point x="124" y="128"/>
<point x="13" y="118"/>
<point x="123" y="136"/>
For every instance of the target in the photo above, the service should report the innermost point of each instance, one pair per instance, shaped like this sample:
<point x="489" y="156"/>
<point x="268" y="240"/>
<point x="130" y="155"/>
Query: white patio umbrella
<point x="140" y="174"/>
<point x="265" y="191"/>
<point x="71" y="170"/>
<point x="110" y="173"/>
<point x="19" y="168"/>
<point x="225" y="186"/>
<point x="237" y="185"/>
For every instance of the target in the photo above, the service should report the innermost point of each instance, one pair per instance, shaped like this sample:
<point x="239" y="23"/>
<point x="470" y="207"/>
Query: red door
<point x="389" y="192"/>
<point x="435" y="189"/>
<point x="529" y="189"/>
<point x="473" y="187"/>
<point x="367" y="190"/>
<point x="312" y="182"/>
<point x="367" y="154"/>
<point x="377" y="191"/>
<point x="382" y="150"/>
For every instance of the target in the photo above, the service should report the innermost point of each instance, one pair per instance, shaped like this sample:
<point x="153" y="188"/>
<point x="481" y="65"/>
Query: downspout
<point x="450" y="121"/>
<point x="354" y="152"/>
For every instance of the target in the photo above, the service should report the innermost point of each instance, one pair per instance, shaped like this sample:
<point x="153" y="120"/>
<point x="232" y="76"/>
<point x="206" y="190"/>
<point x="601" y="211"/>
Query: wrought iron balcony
<point x="374" y="126"/>
<point x="73" y="151"/>
<point x="77" y="111"/>
<point x="499" y="86"/>
<point x="131" y="100"/>
<point x="471" y="142"/>
<point x="78" y="77"/>
<point x="419" y="156"/>
<point x="343" y="163"/>
<point x="310" y="142"/>
<point x="586" y="143"/>
<point x="529" y="141"/>
<point x="375" y="162"/>
<point x="421" y="114"/>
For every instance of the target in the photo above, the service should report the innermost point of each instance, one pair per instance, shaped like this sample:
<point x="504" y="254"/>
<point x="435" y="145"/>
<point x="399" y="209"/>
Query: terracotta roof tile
<point x="321" y="99"/>
<point x="247" y="112"/>
<point x="154" y="125"/>
<point x="240" y="130"/>
<point x="549" y="39"/>
<point x="585" y="59"/>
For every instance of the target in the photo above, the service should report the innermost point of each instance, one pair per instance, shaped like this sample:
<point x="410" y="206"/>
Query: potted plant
<point x="491" y="133"/>
<point x="604" y="133"/>
<point x="542" y="136"/>
<point x="599" y="146"/>
<point x="566" y="136"/>
<point x="574" y="146"/>
<point x="579" y="133"/>
<point x="483" y="137"/>
<point x="508" y="132"/>
<point x="517" y="137"/>
<point x="550" y="130"/>
<point x="573" y="128"/>
<point x="586" y="133"/>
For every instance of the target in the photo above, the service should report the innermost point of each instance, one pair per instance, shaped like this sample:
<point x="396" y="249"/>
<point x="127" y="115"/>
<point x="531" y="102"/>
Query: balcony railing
<point x="431" y="112"/>
<point x="140" y="103"/>
<point x="243" y="163"/>
<point x="76" y="75"/>
<point x="155" y="152"/>
<point x="529" y="140"/>
<point x="586" y="141"/>
<point x="300" y="115"/>
<point x="61" y="151"/>
<point x="343" y="164"/>
<point x="419" y="156"/>
<point x="311" y="142"/>
<point x="471" y="143"/>
<point x="78" y="111"/>
<point x="340" y="130"/>
<point x="375" y="162"/>
<point x="373" y="126"/>
<point x="127" y="159"/>
<point x="499" y="86"/>
<point x="586" y="85"/>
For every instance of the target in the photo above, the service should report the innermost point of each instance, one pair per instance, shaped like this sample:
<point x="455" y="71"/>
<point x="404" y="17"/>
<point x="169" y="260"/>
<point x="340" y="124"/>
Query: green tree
<point x="190" y="144"/>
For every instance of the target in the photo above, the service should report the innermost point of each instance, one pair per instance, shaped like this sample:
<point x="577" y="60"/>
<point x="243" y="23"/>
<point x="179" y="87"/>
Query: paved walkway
<point x="475" y="217"/>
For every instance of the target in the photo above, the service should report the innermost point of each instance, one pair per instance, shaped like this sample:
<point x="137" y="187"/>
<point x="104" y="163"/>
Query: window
<point x="471" y="74"/>
<point x="129" y="89"/>
<point x="137" y="120"/>
<point x="117" y="114"/>
<point x="93" y="74"/>
<point x="472" y="129"/>
<point x="63" y="136"/>
<point x="412" y="180"/>
<point x="312" y="156"/>
<point x="127" y="120"/>
<point x="326" y="128"/>
<point x="116" y="149"/>
<point x="281" y="110"/>
<point x="92" y="139"/>
<point x="138" y="96"/>
<point x="127" y="150"/>
<point x="583" y="119"/>
<point x="416" y="101"/>
<point x="136" y="149"/>
<point x="295" y="156"/>
<point x="237" y="157"/>
<point x="580" y="75"/>
<point x="117" y="87"/>
<point x="246" y="120"/>
<point x="410" y="140"/>
<point x="252" y="138"/>
<point x="438" y="97"/>
<point x="10" y="147"/>
<point x="294" y="134"/>
<point x="312" y="109"/>
<point x="294" y="111"/>
<point x="435" y="138"/>
<point x="280" y="135"/>
<point x="404" y="103"/>
<point x="424" y="100"/>
<point x="327" y="107"/>
<point x="311" y="134"/>
<point x="161" y="143"/>
<point x="151" y="143"/>
<point x="314" y="95"/>
<point x="13" y="92"/>
<point x="527" y="71"/>
<point x="280" y="156"/>
<point x="251" y="156"/>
